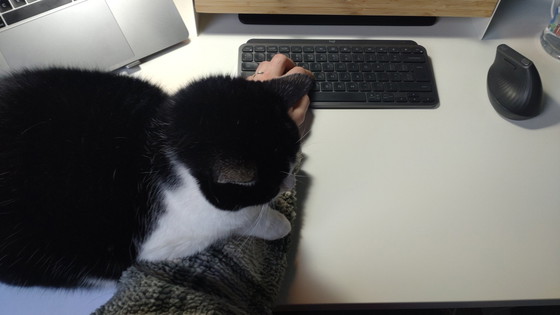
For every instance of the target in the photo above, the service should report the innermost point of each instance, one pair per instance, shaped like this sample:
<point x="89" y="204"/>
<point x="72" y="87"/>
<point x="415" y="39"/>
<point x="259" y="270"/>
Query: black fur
<point x="84" y="156"/>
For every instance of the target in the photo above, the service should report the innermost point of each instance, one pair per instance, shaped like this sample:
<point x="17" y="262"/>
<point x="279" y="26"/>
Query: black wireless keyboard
<point x="354" y="73"/>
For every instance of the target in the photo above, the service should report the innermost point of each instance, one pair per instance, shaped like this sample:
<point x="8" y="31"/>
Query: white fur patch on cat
<point x="190" y="223"/>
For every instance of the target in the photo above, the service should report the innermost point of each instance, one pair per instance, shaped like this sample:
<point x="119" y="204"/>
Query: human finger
<point x="276" y="67"/>
<point x="300" y="70"/>
<point x="298" y="111"/>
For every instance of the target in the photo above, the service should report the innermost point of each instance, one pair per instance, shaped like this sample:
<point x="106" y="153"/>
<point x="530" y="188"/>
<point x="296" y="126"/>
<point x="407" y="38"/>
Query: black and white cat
<point x="98" y="170"/>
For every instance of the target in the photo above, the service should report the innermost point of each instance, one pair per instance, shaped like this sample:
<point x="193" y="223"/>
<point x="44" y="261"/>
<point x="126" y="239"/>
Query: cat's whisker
<point x="295" y="175"/>
<point x="12" y="238"/>
<point x="32" y="256"/>
<point x="301" y="176"/>
<point x="31" y="127"/>
<point x="303" y="136"/>
<point x="256" y="222"/>
<point x="246" y="241"/>
<point x="6" y="203"/>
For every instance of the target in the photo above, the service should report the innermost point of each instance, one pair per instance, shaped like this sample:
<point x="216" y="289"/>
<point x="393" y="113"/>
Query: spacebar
<point x="28" y="11"/>
<point x="339" y="97"/>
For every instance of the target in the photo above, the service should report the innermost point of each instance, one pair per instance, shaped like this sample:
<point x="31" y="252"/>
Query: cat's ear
<point x="291" y="87"/>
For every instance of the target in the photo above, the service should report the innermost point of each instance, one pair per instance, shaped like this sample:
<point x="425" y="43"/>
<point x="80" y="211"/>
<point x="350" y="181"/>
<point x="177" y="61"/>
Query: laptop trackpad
<point x="88" y="36"/>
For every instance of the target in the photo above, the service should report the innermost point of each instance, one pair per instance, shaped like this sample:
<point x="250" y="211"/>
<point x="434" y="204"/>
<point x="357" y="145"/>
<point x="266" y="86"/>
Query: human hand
<point x="278" y="66"/>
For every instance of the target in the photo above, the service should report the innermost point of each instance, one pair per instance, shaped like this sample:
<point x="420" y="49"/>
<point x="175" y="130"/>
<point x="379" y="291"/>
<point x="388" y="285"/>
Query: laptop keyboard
<point x="354" y="73"/>
<point x="13" y="11"/>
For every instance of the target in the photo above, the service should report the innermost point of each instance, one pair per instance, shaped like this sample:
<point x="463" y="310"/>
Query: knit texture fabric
<point x="240" y="275"/>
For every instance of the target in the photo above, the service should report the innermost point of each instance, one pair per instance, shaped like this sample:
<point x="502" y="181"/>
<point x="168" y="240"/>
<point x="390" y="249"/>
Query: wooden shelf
<point x="456" y="8"/>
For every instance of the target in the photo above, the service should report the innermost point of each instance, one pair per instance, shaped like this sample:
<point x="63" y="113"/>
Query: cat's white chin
<point x="190" y="223"/>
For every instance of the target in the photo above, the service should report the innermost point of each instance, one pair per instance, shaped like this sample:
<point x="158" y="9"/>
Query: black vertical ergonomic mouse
<point x="514" y="85"/>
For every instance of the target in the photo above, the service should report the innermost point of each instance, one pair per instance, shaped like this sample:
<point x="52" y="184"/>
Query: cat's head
<point x="236" y="137"/>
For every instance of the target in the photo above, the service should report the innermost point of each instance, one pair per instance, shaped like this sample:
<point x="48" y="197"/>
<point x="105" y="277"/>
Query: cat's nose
<point x="235" y="172"/>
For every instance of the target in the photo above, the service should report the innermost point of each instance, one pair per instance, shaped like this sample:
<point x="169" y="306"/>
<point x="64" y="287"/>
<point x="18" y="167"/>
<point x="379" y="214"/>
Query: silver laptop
<point x="98" y="34"/>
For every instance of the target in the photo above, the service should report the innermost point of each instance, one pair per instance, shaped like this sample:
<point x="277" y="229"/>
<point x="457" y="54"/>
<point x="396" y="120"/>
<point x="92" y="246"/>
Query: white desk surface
<point x="454" y="204"/>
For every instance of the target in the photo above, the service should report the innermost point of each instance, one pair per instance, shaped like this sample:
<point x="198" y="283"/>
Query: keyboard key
<point x="414" y="58"/>
<point x="382" y="77"/>
<point x="333" y="58"/>
<point x="249" y="66"/>
<point x="339" y="86"/>
<point x="365" y="86"/>
<point x="308" y="57"/>
<point x="357" y="76"/>
<point x="378" y="86"/>
<point x="317" y="86"/>
<point x="366" y="67"/>
<point x="247" y="57"/>
<point x="391" y="87"/>
<point x="400" y="99"/>
<point x="352" y="67"/>
<point x="388" y="97"/>
<point x="331" y="76"/>
<point x="328" y="67"/>
<point x="345" y="57"/>
<point x="344" y="76"/>
<point x="421" y="73"/>
<point x="415" y="87"/>
<point x="339" y="97"/>
<point x="18" y="3"/>
<point x="5" y="6"/>
<point x="314" y="66"/>
<point x="332" y="49"/>
<point x="321" y="57"/>
<point x="320" y="76"/>
<point x="374" y="97"/>
<point x="358" y="57"/>
<point x="352" y="86"/>
<point x="296" y="57"/>
<point x="326" y="86"/>
<point x="369" y="77"/>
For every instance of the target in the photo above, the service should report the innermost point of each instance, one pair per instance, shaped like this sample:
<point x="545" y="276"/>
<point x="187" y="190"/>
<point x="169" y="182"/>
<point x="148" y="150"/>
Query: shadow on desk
<point x="549" y="117"/>
<point x="302" y="189"/>
<point x="304" y="182"/>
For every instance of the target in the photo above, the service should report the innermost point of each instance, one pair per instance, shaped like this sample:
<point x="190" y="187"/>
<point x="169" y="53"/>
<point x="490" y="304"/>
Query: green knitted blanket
<point x="240" y="275"/>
